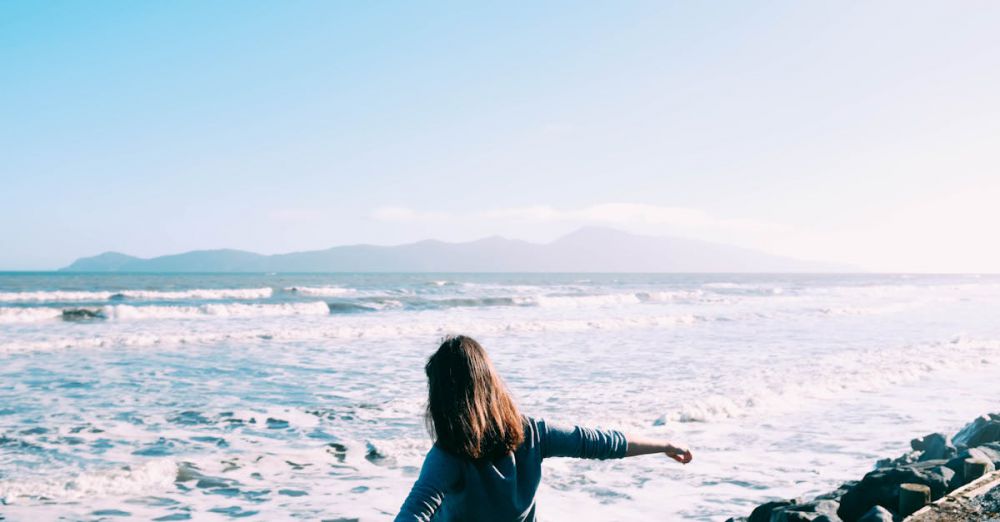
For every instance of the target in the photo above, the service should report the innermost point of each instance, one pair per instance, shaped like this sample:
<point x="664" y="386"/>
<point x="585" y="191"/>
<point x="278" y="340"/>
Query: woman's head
<point x="469" y="411"/>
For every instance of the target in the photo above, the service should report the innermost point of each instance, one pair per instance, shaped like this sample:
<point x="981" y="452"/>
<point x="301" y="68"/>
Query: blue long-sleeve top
<point x="455" y="488"/>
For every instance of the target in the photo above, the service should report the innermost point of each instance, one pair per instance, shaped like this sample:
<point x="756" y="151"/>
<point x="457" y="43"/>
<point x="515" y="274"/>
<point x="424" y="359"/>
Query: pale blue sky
<point x="857" y="132"/>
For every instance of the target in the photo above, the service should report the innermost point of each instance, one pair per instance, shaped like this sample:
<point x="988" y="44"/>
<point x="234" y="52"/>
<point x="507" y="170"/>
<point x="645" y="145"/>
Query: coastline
<point x="248" y="378"/>
<point x="937" y="466"/>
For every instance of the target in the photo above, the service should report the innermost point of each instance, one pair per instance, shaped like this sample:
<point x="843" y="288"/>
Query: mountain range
<point x="590" y="249"/>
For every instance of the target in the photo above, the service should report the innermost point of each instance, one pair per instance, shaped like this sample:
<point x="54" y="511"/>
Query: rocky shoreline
<point x="938" y="464"/>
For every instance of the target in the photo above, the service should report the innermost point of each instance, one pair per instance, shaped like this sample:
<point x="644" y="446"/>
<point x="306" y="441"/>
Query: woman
<point x="486" y="461"/>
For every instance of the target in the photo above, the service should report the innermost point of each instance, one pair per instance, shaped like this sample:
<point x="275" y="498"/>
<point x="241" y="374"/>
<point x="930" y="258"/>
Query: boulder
<point x="989" y="451"/>
<point x="762" y="513"/>
<point x="839" y="492"/>
<point x="936" y="462"/>
<point x="934" y="446"/>
<point x="881" y="487"/>
<point x="903" y="460"/>
<point x="814" y="511"/>
<point x="801" y="516"/>
<point x="877" y="514"/>
<point x="983" y="430"/>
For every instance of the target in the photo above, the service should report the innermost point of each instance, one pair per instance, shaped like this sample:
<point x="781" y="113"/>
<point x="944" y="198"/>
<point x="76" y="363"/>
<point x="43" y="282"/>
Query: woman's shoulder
<point x="534" y="429"/>
<point x="442" y="456"/>
<point x="533" y="423"/>
<point x="529" y="420"/>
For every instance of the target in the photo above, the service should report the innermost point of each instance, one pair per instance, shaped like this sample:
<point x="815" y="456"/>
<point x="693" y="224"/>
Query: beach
<point x="282" y="396"/>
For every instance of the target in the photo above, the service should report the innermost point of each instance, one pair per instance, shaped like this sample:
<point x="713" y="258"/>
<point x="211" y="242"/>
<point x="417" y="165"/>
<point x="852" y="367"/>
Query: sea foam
<point x="60" y="296"/>
<point x="214" y="310"/>
<point x="333" y="329"/>
<point x="322" y="291"/>
<point x="833" y="377"/>
<point x="144" y="478"/>
<point x="28" y="315"/>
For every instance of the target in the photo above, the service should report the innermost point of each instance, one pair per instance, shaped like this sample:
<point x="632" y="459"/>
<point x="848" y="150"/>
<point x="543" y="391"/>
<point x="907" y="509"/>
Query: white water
<point x="286" y="407"/>
<point x="150" y="295"/>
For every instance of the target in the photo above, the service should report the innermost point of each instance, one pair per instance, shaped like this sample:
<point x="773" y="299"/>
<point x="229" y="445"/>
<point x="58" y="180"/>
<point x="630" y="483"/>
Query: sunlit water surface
<point x="175" y="397"/>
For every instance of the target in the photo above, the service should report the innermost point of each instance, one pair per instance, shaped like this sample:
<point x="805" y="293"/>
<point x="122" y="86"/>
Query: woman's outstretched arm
<point x="646" y="446"/>
<point x="589" y="443"/>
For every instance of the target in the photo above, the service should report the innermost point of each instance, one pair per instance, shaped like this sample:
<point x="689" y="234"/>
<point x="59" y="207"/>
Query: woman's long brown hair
<point x="469" y="410"/>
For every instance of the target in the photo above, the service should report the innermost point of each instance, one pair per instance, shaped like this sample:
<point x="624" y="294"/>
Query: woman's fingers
<point x="680" y="455"/>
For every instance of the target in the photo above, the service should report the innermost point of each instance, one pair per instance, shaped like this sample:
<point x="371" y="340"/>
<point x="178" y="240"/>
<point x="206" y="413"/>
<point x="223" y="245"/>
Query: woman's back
<point x="486" y="462"/>
<point x="451" y="487"/>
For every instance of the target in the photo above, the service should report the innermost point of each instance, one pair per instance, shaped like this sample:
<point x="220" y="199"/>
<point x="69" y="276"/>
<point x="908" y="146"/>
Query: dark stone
<point x="990" y="452"/>
<point x="839" y="492"/>
<point x="934" y="447"/>
<point x="812" y="511"/>
<point x="903" y="460"/>
<point x="936" y="462"/>
<point x="763" y="512"/>
<point x="978" y="432"/>
<point x="881" y="487"/>
<point x="793" y="516"/>
<point x="877" y="514"/>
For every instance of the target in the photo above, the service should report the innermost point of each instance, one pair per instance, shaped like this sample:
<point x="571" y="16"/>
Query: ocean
<point x="285" y="396"/>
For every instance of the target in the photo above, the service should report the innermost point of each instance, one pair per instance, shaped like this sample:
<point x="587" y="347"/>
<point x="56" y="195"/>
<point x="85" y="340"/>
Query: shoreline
<point x="938" y="464"/>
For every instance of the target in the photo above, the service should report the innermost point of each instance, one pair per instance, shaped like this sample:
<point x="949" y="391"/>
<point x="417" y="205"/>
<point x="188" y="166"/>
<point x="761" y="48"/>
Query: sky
<point x="865" y="133"/>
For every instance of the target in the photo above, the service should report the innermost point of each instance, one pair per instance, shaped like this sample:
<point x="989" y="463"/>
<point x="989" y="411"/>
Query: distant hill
<point x="590" y="249"/>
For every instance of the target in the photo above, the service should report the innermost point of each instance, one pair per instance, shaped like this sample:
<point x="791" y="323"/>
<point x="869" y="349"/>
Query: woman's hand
<point x="647" y="446"/>
<point x="680" y="454"/>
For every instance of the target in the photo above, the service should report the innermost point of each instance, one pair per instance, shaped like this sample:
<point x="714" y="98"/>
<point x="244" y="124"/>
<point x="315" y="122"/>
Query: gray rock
<point x="989" y="451"/>
<point x="814" y="511"/>
<point x="839" y="492"/>
<point x="795" y="516"/>
<point x="903" y="460"/>
<point x="933" y="447"/>
<point x="763" y="512"/>
<point x="978" y="432"/>
<point x="877" y="514"/>
<point x="881" y="487"/>
<point x="936" y="461"/>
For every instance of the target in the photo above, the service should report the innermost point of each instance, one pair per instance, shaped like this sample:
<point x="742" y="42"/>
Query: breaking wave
<point x="60" y="296"/>
<point x="122" y="311"/>
<point x="215" y="310"/>
<point x="321" y="291"/>
<point x="346" y="330"/>
<point x="28" y="315"/>
<point x="147" y="478"/>
<point x="833" y="377"/>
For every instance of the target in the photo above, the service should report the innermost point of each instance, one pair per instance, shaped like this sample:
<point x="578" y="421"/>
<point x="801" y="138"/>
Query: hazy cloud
<point x="295" y="215"/>
<point x="407" y="215"/>
<point x="616" y="214"/>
